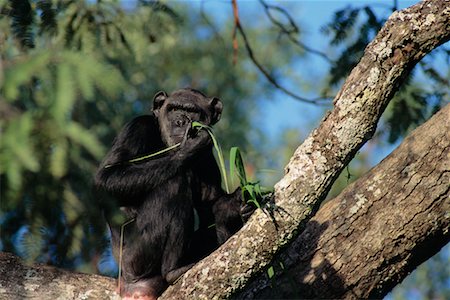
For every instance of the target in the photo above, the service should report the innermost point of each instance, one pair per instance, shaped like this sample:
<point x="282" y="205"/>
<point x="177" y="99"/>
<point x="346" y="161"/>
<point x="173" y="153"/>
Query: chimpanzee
<point x="163" y="193"/>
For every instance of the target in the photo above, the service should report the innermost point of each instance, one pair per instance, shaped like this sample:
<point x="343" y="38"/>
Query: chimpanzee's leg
<point x="174" y="255"/>
<point x="141" y="264"/>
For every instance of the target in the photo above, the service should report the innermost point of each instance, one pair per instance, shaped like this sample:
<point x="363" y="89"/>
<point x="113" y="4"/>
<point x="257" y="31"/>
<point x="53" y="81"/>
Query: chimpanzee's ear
<point x="158" y="101"/>
<point x="216" y="108"/>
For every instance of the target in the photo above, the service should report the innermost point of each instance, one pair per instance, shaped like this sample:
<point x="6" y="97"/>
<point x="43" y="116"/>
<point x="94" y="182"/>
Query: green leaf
<point x="270" y="272"/>
<point x="90" y="73"/>
<point x="155" y="153"/>
<point x="65" y="93"/>
<point x="237" y="165"/>
<point x="258" y="190"/>
<point x="218" y="149"/>
<point x="250" y="189"/>
<point x="85" y="82"/>
<point x="21" y="72"/>
<point x="13" y="172"/>
<point x="17" y="141"/>
<point x="58" y="159"/>
<point x="83" y="137"/>
<point x="406" y="110"/>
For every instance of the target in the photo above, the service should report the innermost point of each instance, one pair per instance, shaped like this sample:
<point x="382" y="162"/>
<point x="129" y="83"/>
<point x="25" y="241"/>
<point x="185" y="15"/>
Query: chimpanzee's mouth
<point x="177" y="136"/>
<point x="174" y="139"/>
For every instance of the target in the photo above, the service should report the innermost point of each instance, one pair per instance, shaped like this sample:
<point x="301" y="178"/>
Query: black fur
<point x="162" y="192"/>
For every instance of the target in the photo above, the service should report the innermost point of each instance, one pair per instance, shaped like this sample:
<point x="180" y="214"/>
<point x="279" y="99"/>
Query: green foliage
<point x="59" y="87"/>
<point x="22" y="21"/>
<point x="275" y="270"/>
<point x="237" y="166"/>
<point x="429" y="281"/>
<point x="346" y="29"/>
<point x="72" y="73"/>
<point x="252" y="192"/>
<point x="270" y="272"/>
<point x="218" y="150"/>
<point x="405" y="111"/>
<point x="46" y="83"/>
<point x="16" y="154"/>
<point x="351" y="29"/>
<point x="21" y="73"/>
<point x="414" y="102"/>
<point x="423" y="93"/>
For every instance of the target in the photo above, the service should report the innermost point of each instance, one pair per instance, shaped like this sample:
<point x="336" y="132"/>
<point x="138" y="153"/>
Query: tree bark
<point x="367" y="239"/>
<point x="407" y="36"/>
<point x="19" y="281"/>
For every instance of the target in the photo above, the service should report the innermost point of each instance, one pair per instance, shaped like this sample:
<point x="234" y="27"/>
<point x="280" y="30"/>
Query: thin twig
<point x="208" y="22"/>
<point x="122" y="228"/>
<point x="290" y="32"/>
<point x="237" y="24"/>
<point x="272" y="80"/>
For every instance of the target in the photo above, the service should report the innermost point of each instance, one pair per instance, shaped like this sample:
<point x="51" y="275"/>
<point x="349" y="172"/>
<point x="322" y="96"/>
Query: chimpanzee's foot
<point x="138" y="295"/>
<point x="143" y="289"/>
<point x="173" y="275"/>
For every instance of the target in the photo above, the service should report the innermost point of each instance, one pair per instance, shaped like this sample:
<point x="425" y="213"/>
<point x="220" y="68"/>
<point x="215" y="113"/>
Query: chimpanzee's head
<point x="175" y="113"/>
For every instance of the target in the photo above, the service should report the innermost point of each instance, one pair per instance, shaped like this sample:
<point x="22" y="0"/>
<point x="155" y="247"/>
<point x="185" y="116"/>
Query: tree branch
<point x="407" y="36"/>
<point x="359" y="245"/>
<point x="19" y="281"/>
<point x="290" y="32"/>
<point x="261" y="68"/>
<point x="370" y="237"/>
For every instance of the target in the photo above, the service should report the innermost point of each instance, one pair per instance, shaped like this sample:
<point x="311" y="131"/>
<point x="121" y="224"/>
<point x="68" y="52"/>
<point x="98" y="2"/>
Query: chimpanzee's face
<point x="175" y="113"/>
<point x="176" y="117"/>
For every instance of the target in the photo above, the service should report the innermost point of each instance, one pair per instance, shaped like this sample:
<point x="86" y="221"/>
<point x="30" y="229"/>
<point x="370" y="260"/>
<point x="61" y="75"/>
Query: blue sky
<point x="283" y="111"/>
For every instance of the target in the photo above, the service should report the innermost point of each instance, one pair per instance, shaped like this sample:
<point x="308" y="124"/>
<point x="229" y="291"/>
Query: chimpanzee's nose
<point x="182" y="121"/>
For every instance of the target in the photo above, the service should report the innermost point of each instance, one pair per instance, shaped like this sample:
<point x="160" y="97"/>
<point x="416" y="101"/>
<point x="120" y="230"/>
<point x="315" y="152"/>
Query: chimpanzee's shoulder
<point x="142" y="123"/>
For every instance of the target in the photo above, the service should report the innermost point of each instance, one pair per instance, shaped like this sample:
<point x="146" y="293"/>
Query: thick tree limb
<point x="19" y="281"/>
<point x="359" y="245"/>
<point x="366" y="240"/>
<point x="407" y="36"/>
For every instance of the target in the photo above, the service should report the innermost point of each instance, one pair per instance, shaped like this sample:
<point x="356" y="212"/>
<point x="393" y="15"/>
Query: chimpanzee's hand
<point x="193" y="141"/>
<point x="247" y="209"/>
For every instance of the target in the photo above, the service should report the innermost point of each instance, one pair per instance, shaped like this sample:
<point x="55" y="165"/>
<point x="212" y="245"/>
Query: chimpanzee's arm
<point x="134" y="179"/>
<point x="140" y="137"/>
<point x="225" y="210"/>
